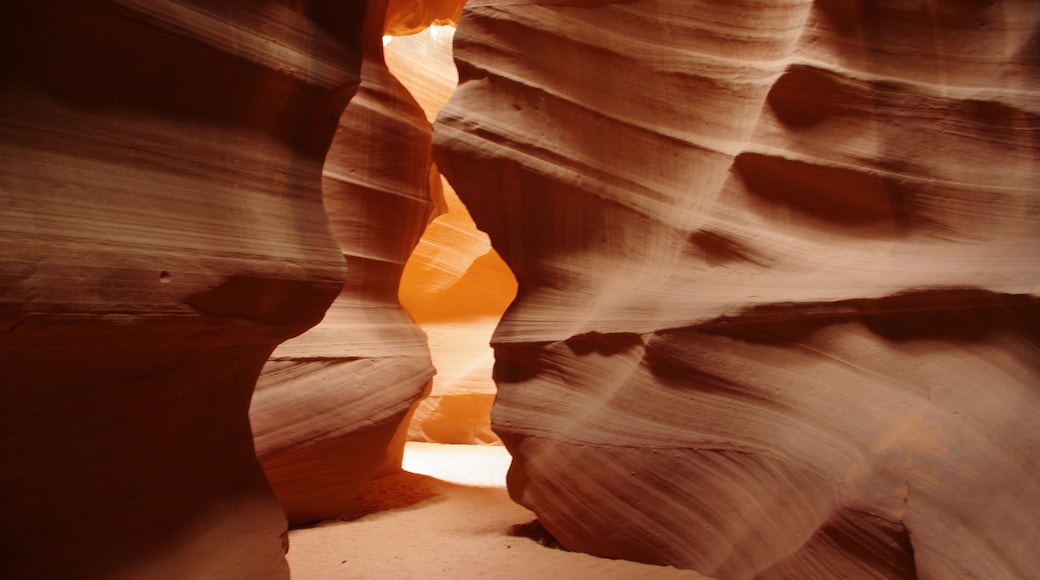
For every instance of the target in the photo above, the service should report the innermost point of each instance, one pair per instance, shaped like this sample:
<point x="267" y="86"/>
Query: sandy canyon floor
<point x="448" y="515"/>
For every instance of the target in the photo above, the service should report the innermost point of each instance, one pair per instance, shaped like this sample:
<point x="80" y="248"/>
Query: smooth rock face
<point x="162" y="228"/>
<point x="330" y="403"/>
<point x="778" y="306"/>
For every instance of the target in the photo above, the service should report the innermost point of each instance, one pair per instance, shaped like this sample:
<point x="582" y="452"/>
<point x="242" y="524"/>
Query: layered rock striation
<point x="163" y="231"/>
<point x="331" y="405"/>
<point x="778" y="307"/>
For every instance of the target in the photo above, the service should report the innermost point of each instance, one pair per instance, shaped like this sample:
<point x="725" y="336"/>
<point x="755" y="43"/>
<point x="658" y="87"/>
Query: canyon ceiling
<point x="778" y="270"/>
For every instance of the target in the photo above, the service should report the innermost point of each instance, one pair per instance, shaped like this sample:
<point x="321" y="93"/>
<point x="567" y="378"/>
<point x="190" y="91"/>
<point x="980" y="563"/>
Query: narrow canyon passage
<point x="403" y="352"/>
<point x="455" y="285"/>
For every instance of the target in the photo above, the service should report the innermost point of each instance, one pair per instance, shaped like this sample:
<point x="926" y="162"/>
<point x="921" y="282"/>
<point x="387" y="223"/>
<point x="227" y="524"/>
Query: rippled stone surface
<point x="778" y="309"/>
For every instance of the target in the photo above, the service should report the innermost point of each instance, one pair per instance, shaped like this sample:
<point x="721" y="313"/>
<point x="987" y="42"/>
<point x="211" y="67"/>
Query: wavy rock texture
<point x="162" y="228"/>
<point x="778" y="308"/>
<point x="331" y="405"/>
<point x="454" y="284"/>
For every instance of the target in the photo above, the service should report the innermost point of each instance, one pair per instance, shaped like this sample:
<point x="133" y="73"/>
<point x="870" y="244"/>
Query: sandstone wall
<point x="778" y="309"/>
<point x="162" y="227"/>
<point x="329" y="403"/>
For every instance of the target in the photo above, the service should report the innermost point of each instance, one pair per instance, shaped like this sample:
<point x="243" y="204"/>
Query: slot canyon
<point x="745" y="289"/>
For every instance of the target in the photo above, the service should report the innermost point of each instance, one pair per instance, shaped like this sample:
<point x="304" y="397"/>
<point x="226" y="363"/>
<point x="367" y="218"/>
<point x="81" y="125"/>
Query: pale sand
<point x="447" y="516"/>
